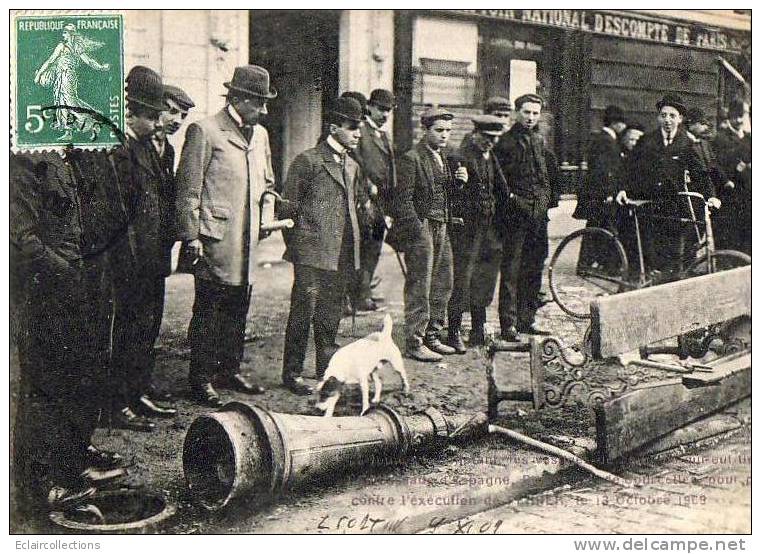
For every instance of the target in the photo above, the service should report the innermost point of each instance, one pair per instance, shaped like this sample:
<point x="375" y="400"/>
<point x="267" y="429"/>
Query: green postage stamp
<point x="67" y="74"/>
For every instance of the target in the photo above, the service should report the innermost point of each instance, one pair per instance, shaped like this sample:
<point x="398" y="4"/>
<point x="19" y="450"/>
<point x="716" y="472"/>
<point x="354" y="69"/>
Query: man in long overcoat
<point x="224" y="171"/>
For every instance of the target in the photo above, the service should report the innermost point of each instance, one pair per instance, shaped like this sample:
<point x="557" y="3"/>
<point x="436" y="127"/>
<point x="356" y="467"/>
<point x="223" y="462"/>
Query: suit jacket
<point x="376" y="156"/>
<point x="656" y="172"/>
<point x="220" y="182"/>
<point x="167" y="205"/>
<point x="731" y="150"/>
<point x="412" y="197"/>
<point x="322" y="200"/>
<point x="604" y="159"/>
<point x="523" y="157"/>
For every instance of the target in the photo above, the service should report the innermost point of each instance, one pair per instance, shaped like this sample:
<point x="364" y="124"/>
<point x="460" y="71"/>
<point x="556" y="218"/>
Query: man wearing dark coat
<point x="523" y="157"/>
<point x="320" y="195"/>
<point x="421" y="218"/>
<point x="595" y="203"/>
<point x="476" y="205"/>
<point x="63" y="370"/>
<point x="375" y="155"/>
<point x="733" y="148"/>
<point x="663" y="163"/>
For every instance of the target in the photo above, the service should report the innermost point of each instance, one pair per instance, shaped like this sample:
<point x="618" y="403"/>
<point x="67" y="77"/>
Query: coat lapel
<point x="331" y="166"/>
<point x="425" y="162"/>
<point x="230" y="128"/>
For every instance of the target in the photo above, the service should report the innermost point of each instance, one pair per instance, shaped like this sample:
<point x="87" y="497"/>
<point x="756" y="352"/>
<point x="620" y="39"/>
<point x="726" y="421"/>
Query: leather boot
<point x="478" y="320"/>
<point x="454" y="339"/>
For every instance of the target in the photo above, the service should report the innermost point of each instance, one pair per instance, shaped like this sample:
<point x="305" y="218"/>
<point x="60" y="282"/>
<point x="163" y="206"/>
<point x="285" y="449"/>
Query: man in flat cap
<point x="376" y="156"/>
<point x="595" y="203"/>
<point x="476" y="204"/>
<point x="224" y="172"/>
<point x="734" y="150"/>
<point x="523" y="157"/>
<point x="659" y="164"/>
<point x="421" y="215"/>
<point x="321" y="193"/>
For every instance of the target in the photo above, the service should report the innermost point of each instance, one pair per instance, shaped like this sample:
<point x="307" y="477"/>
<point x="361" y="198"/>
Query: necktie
<point x="248" y="132"/>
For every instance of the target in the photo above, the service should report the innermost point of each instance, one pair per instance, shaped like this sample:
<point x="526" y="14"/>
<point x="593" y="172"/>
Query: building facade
<point x="578" y="60"/>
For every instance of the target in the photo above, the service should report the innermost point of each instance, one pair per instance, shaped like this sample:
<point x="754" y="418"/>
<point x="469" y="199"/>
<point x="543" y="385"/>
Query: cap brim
<point x="271" y="94"/>
<point x="492" y="133"/>
<point x="349" y="117"/>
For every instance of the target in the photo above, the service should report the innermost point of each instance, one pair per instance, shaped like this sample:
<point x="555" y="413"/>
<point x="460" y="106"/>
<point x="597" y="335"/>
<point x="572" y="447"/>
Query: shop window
<point x="444" y="82"/>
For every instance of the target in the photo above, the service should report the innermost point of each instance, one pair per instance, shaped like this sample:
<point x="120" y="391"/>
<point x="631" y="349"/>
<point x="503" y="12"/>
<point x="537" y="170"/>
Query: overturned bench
<point x="640" y="401"/>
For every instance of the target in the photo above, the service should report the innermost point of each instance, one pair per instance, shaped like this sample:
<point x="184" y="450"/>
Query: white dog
<point x="357" y="363"/>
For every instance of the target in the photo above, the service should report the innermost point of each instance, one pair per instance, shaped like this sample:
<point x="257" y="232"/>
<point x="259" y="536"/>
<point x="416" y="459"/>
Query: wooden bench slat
<point x="624" y="322"/>
<point x="720" y="371"/>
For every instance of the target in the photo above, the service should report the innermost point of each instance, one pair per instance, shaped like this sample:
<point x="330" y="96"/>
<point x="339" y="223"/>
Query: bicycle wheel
<point x="721" y="261"/>
<point x="587" y="264"/>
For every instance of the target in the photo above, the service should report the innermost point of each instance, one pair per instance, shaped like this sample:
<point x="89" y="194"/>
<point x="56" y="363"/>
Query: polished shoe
<point x="422" y="354"/>
<point x="298" y="386"/>
<point x="102" y="459"/>
<point x="531" y="330"/>
<point x="455" y="341"/>
<point x="366" y="305"/>
<point x="60" y="496"/>
<point x="148" y="407"/>
<point x="239" y="383"/>
<point x="510" y="334"/>
<point x="127" y="419"/>
<point x="205" y="394"/>
<point x="433" y="343"/>
<point x="476" y="337"/>
<point x="102" y="477"/>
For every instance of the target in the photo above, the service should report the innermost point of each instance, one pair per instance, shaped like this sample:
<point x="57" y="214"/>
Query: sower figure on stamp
<point x="225" y="170"/>
<point x="136" y="267"/>
<point x="522" y="155"/>
<point x="321" y="191"/>
<point x="475" y="203"/>
<point x="376" y="157"/>
<point x="170" y="122"/>
<point x="661" y="162"/>
<point x="62" y="376"/>
<point x="421" y="214"/>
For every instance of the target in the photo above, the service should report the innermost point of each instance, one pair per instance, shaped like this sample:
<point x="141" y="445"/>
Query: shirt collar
<point x="610" y="131"/>
<point x="234" y="114"/>
<point x="335" y="145"/>
<point x="666" y="136"/>
<point x="371" y="123"/>
<point x="131" y="134"/>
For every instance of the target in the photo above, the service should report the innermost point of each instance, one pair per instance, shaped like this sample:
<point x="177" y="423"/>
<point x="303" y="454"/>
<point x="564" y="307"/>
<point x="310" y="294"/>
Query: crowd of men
<point x="93" y="233"/>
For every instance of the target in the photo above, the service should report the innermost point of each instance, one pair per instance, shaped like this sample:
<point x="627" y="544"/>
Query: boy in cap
<point x="322" y="189"/>
<point x="658" y="164"/>
<point x="224" y="172"/>
<point x="476" y="204"/>
<point x="523" y="158"/>
<point x="421" y="214"/>
<point x="376" y="156"/>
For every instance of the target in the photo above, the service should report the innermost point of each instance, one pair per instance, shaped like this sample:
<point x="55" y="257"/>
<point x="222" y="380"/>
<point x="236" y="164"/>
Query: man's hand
<point x="373" y="190"/>
<point x="195" y="247"/>
<point x="741" y="166"/>
<point x="621" y="198"/>
<point x="729" y="185"/>
<point x="388" y="220"/>
<point x="461" y="174"/>
<point x="714" y="203"/>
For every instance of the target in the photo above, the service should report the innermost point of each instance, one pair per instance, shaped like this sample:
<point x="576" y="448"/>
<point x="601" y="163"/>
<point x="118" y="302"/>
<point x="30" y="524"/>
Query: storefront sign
<point x="624" y="26"/>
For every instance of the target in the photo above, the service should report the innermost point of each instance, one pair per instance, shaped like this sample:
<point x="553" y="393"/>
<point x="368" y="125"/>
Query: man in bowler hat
<point x="421" y="216"/>
<point x="376" y="156"/>
<point x="664" y="163"/>
<point x="224" y="172"/>
<point x="320" y="195"/>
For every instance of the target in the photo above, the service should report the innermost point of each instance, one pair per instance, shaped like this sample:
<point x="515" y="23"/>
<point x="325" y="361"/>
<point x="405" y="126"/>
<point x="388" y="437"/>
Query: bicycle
<point x="573" y="285"/>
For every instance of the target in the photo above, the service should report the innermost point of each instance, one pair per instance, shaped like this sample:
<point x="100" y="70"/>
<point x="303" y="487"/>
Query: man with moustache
<point x="224" y="172"/>
<point x="421" y="215"/>
<point x="476" y="204"/>
<point x="658" y="165"/>
<point x="523" y="157"/>
<point x="320" y="195"/>
<point x="376" y="156"/>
